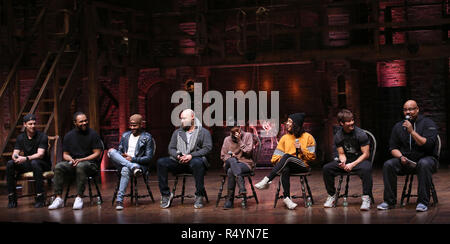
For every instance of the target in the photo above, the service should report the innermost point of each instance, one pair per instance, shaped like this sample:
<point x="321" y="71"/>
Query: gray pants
<point x="64" y="171"/>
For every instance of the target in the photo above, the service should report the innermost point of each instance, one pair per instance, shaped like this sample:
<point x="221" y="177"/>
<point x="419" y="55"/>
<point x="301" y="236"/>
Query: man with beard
<point x="236" y="154"/>
<point x="353" y="146"/>
<point x="33" y="145"/>
<point x="188" y="148"/>
<point x="133" y="155"/>
<point x="81" y="147"/>
<point x="413" y="139"/>
<point x="293" y="154"/>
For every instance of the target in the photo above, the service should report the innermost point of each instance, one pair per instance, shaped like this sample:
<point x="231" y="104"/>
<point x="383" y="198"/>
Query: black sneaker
<point x="198" y="202"/>
<point x="40" y="201"/>
<point x="119" y="205"/>
<point x="166" y="201"/>
<point x="244" y="200"/>
<point x="12" y="201"/>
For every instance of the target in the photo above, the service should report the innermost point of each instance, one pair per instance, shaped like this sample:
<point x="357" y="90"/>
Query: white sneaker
<point x="57" y="203"/>
<point x="329" y="203"/>
<point x="263" y="184"/>
<point x="365" y="205"/>
<point x="78" y="204"/>
<point x="289" y="203"/>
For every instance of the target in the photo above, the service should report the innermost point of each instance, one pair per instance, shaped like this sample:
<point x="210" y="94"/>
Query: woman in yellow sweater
<point x="293" y="154"/>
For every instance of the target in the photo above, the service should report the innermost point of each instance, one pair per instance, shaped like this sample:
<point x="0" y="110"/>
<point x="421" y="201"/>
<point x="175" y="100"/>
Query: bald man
<point x="188" y="148"/>
<point x="413" y="139"/>
<point x="133" y="155"/>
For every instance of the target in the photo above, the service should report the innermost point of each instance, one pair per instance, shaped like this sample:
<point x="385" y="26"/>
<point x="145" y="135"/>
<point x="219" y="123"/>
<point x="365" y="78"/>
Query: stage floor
<point x="262" y="213"/>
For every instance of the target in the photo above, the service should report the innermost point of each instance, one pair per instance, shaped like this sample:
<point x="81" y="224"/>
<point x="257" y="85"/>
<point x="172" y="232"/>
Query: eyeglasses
<point x="409" y="109"/>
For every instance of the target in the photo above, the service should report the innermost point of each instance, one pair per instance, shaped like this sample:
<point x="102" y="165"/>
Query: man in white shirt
<point x="133" y="155"/>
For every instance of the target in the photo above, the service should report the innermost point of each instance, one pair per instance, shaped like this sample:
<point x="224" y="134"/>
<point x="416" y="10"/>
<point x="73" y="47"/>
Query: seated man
<point x="353" y="146"/>
<point x="413" y="139"/>
<point x="33" y="145"/>
<point x="81" y="148"/>
<point x="237" y="156"/>
<point x="188" y="148"/>
<point x="133" y="155"/>
<point x="293" y="154"/>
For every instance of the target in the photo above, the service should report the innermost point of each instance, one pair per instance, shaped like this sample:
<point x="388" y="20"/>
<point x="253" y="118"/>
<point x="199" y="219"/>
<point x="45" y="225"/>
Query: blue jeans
<point x="126" y="172"/>
<point x="195" y="166"/>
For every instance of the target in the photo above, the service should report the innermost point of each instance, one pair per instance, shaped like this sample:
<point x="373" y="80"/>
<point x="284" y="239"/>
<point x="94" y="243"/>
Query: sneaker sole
<point x="169" y="203"/>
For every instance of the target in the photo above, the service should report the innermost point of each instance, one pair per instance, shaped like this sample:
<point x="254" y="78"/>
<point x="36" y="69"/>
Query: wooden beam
<point x="362" y="53"/>
<point x="92" y="52"/>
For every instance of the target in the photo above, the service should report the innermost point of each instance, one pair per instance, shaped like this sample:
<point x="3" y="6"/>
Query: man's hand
<point x="403" y="159"/>
<point x="20" y="160"/>
<point x="237" y="135"/>
<point x="75" y="162"/>
<point x="349" y="167"/>
<point x="408" y="126"/>
<point x="127" y="157"/>
<point x="185" y="158"/>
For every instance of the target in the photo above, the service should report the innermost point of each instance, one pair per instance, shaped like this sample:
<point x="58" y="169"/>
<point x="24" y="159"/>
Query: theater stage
<point x="262" y="213"/>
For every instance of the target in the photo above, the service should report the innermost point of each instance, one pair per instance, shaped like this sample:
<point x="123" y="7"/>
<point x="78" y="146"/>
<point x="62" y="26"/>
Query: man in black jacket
<point x="188" y="148"/>
<point x="133" y="155"/>
<point x="412" y="140"/>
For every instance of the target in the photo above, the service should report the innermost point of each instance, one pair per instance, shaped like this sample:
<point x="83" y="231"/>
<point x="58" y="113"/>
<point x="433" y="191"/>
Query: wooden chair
<point x="29" y="184"/>
<point x="372" y="150"/>
<point x="134" y="193"/>
<point x="409" y="176"/>
<point x="249" y="175"/>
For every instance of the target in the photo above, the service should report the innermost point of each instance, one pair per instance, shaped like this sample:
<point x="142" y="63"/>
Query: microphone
<point x="16" y="156"/>
<point x="179" y="153"/>
<point x="407" y="117"/>
<point x="230" y="153"/>
<point x="296" y="149"/>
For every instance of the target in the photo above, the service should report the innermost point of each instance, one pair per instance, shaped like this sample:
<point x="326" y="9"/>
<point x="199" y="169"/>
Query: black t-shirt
<point x="80" y="144"/>
<point x="351" y="142"/>
<point x="30" y="146"/>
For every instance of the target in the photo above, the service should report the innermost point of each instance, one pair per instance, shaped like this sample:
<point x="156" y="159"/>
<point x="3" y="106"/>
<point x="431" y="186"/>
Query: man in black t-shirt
<point x="32" y="145"/>
<point x="81" y="148"/>
<point x="352" y="145"/>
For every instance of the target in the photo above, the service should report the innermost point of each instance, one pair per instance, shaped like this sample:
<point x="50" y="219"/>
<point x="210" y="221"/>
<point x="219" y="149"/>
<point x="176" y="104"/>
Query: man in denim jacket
<point x="133" y="155"/>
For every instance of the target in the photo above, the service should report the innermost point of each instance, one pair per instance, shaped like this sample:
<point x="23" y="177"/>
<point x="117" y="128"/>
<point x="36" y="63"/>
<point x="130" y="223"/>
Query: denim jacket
<point x="144" y="148"/>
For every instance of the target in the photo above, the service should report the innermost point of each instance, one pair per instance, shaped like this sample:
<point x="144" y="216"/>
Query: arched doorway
<point x="158" y="110"/>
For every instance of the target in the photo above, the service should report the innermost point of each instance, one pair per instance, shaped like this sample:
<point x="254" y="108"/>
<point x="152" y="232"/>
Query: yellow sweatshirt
<point x="287" y="145"/>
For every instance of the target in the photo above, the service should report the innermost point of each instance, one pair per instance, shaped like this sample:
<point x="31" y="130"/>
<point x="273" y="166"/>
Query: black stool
<point x="98" y="195"/>
<point x="134" y="193"/>
<point x="304" y="184"/>
<point x="183" y="195"/>
<point x="249" y="177"/>
<point x="409" y="179"/>
<point x="345" y="195"/>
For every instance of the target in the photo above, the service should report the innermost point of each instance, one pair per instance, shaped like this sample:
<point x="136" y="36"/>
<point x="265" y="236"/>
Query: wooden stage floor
<point x="262" y="213"/>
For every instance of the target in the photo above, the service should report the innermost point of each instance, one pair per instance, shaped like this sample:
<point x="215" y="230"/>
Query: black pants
<point x="234" y="170"/>
<point x="363" y="170"/>
<point x="195" y="166"/>
<point x="425" y="168"/>
<point x="288" y="165"/>
<point x="38" y="167"/>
